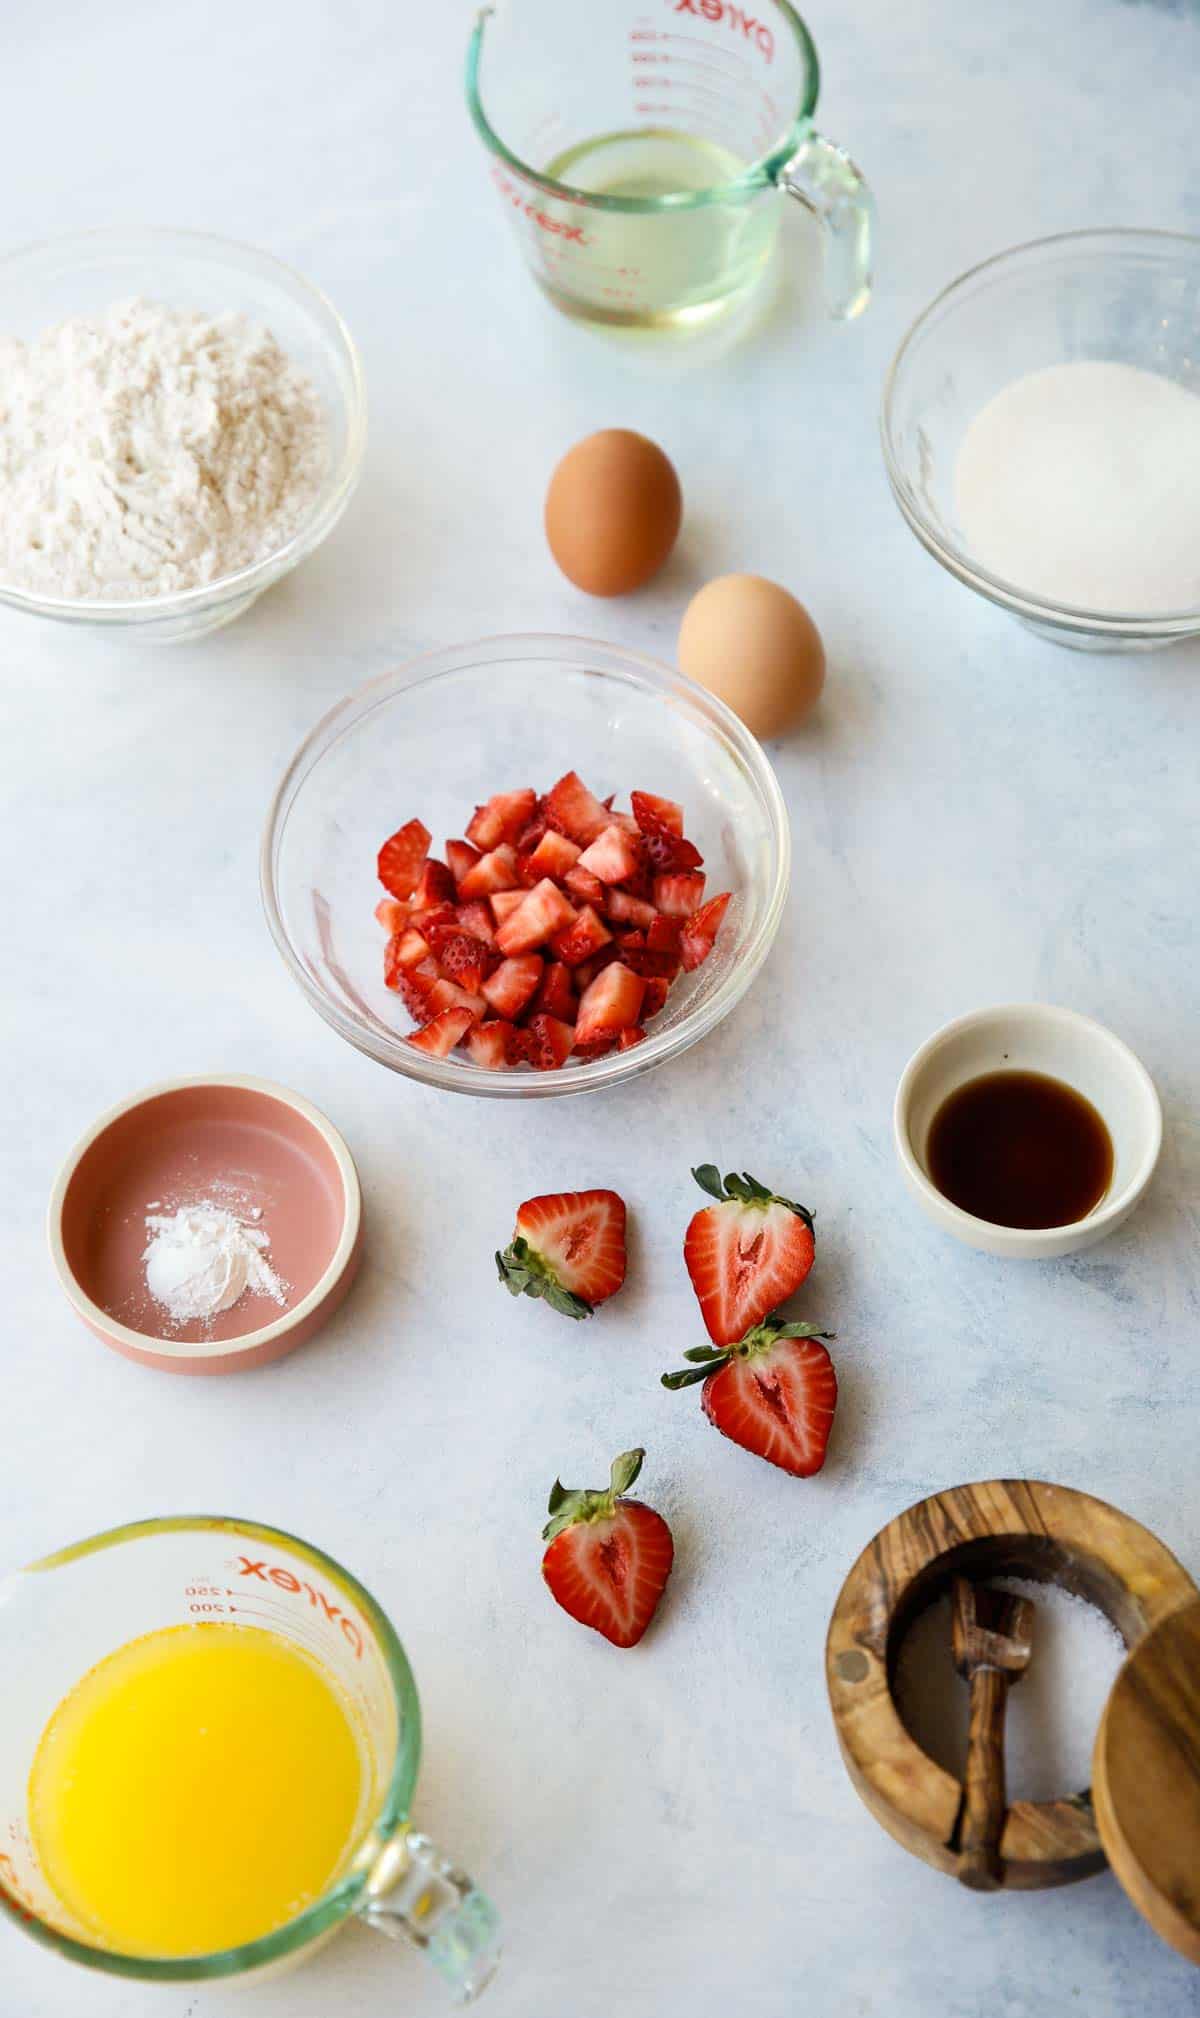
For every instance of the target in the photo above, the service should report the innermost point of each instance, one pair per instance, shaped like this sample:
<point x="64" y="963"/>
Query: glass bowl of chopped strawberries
<point x="526" y="866"/>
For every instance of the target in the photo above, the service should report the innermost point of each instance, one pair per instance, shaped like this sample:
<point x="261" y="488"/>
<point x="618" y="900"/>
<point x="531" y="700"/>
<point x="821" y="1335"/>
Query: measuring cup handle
<point x="824" y="179"/>
<point x="415" y="1893"/>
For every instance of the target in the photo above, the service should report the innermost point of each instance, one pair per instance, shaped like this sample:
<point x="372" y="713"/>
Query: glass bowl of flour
<point x="1041" y="430"/>
<point x="182" y="421"/>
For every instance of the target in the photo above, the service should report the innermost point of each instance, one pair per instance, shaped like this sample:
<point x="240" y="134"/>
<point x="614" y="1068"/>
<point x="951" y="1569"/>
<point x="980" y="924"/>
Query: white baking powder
<point x="202" y="1258"/>
<point x="150" y="449"/>
<point x="1081" y="485"/>
<point x="1053" y="1712"/>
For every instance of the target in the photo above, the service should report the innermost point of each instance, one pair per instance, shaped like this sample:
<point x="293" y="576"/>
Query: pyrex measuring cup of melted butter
<point x="639" y="148"/>
<point x="208" y="1752"/>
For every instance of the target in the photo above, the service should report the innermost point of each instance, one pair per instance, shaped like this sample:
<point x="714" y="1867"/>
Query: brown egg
<point x="754" y="646"/>
<point x="612" y="511"/>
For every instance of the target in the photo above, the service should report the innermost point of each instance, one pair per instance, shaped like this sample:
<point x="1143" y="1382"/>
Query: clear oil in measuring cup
<point x="665" y="267"/>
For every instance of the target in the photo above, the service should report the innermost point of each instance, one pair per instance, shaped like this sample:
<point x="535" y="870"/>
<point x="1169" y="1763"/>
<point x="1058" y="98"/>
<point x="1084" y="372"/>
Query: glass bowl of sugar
<point x="1041" y="432"/>
<point x="182" y="421"/>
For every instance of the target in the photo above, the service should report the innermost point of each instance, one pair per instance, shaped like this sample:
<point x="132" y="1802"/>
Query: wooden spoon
<point x="992" y="1644"/>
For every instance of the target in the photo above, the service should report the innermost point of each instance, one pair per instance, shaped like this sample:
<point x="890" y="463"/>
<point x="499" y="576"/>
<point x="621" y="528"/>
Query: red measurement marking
<point x="285" y="1581"/>
<point x="513" y="193"/>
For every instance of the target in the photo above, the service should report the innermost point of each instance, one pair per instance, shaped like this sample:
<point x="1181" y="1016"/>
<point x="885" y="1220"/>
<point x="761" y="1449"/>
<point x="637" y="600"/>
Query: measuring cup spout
<point x="415" y="1893"/>
<point x="824" y="179"/>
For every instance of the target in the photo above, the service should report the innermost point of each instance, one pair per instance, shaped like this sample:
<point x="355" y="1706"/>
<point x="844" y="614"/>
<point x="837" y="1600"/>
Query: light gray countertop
<point x="976" y="816"/>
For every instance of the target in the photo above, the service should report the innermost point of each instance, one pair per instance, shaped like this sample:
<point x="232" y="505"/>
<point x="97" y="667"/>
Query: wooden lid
<point x="1146" y="1779"/>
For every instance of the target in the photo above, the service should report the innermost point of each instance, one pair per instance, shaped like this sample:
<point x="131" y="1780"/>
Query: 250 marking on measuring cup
<point x="206" y="1600"/>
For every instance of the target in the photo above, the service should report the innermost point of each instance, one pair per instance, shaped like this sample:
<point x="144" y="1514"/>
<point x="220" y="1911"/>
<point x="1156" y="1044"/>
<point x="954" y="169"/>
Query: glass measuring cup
<point x="62" y="1615"/>
<point x="639" y="149"/>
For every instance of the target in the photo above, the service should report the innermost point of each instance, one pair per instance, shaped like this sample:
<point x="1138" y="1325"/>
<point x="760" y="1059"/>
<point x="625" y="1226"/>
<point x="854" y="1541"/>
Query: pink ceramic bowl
<point x="190" y="1139"/>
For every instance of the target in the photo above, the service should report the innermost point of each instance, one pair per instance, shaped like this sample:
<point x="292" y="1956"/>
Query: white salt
<point x="1081" y="485"/>
<point x="1054" y="1710"/>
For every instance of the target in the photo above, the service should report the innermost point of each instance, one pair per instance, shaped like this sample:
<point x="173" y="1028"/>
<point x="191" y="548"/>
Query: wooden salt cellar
<point x="1020" y="1527"/>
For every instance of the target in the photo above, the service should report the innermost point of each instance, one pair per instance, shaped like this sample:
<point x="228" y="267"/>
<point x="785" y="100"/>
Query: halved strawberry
<point x="446" y="1030"/>
<point x="402" y="857"/>
<point x="569" y="1247"/>
<point x="628" y="1038"/>
<point x="612" y="1003"/>
<point x="463" y="959"/>
<point x="613" y="856"/>
<point x="553" y="856"/>
<point x="436" y="886"/>
<point x="494" y="871"/>
<point x="392" y="915"/>
<point x="405" y="949"/>
<point x="460" y="856"/>
<point x="574" y="810"/>
<point x="626" y="909"/>
<point x="655" y="997"/>
<point x="609" y="1557"/>
<point x="488" y="1044"/>
<point x="582" y="884"/>
<point x="502" y="819"/>
<point x="513" y="984"/>
<point x="544" y="912"/>
<point x="698" y="935"/>
<point x="746" y="1254"/>
<point x="556" y="995"/>
<point x="476" y="918"/>
<point x="679" y="894"/>
<point x="505" y="902"/>
<point x="774" y="1392"/>
<point x="655" y="815"/>
<point x="549" y="1042"/>
<point x="583" y="937"/>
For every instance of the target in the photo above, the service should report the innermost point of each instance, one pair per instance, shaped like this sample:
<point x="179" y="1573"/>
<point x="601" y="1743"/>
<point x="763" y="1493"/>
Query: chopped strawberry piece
<point x="630" y="910"/>
<point x="521" y="1046"/>
<point x="476" y="918"/>
<point x="630" y="940"/>
<point x="446" y="994"/>
<point x="555" y="995"/>
<point x="439" y="1037"/>
<point x="488" y="1044"/>
<point x="402" y="858"/>
<point x="513" y="984"/>
<point x="392" y="915"/>
<point x="460" y="856"/>
<point x="437" y="886"/>
<point x="553" y="856"/>
<point x="502" y="819"/>
<point x="613" y="855"/>
<point x="662" y="966"/>
<point x="655" y="815"/>
<point x="679" y="894"/>
<point x="529" y="837"/>
<point x="663" y="934"/>
<point x="613" y="1002"/>
<point x="463" y="959"/>
<point x="581" y="939"/>
<point x="492" y="872"/>
<point x="582" y="884"/>
<point x="550" y="1042"/>
<point x="426" y="922"/>
<point x="628" y="1038"/>
<point x="654" y="999"/>
<point x="413" y="987"/>
<point x="405" y="949"/>
<point x="527" y="873"/>
<point x="587" y="970"/>
<point x="699" y="933"/>
<point x="598" y="1047"/>
<point x="574" y="810"/>
<point x="544" y="912"/>
<point x="505" y="902"/>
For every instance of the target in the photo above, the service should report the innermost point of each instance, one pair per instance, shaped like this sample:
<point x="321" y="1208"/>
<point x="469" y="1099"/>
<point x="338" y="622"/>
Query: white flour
<point x="149" y="449"/>
<point x="202" y="1258"/>
<point x="1081" y="484"/>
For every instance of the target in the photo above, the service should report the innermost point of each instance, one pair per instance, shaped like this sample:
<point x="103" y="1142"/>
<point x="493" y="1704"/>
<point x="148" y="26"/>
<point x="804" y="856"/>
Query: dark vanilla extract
<point x="1020" y="1149"/>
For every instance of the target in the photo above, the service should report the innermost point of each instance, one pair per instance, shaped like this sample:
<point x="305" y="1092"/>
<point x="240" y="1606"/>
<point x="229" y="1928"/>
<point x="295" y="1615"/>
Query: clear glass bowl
<point x="1128" y="297"/>
<point x="42" y="284"/>
<point x="442" y="735"/>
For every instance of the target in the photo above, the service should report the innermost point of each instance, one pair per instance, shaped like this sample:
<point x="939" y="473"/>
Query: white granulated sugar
<point x="149" y="449"/>
<point x="203" y="1258"/>
<point x="1054" y="1710"/>
<point x="1081" y="485"/>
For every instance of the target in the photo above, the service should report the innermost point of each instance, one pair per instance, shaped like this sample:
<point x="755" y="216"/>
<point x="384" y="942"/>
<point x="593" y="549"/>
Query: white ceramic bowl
<point x="1031" y="1037"/>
